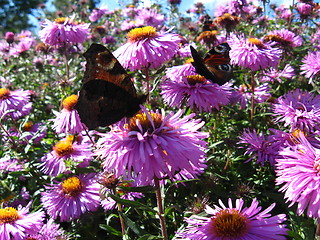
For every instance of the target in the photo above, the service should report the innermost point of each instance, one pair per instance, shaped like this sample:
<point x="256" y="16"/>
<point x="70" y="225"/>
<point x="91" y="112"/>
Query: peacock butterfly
<point x="107" y="94"/>
<point x="215" y="66"/>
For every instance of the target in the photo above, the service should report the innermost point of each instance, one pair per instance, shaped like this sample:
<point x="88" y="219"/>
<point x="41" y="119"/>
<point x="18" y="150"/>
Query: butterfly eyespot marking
<point x="221" y="48"/>
<point x="224" y="67"/>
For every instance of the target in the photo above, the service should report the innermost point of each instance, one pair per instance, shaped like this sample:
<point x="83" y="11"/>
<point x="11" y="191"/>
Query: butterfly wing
<point x="216" y="64"/>
<point x="107" y="94"/>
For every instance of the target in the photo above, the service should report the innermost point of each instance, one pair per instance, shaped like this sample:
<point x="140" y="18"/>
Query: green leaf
<point x="110" y="230"/>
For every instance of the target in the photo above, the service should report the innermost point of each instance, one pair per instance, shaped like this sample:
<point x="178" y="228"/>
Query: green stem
<point x="160" y="209"/>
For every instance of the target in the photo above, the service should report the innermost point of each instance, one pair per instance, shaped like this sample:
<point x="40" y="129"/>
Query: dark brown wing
<point x="107" y="94"/>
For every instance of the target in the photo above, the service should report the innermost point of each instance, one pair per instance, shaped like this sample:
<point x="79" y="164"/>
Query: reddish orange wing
<point x="107" y="94"/>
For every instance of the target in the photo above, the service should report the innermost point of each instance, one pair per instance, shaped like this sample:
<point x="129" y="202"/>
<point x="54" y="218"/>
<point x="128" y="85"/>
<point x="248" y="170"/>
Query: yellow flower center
<point x="227" y="20"/>
<point x="189" y="61"/>
<point x="4" y="93"/>
<point x="276" y="38"/>
<point x="145" y="122"/>
<point x="229" y="223"/>
<point x="8" y="215"/>
<point x="194" y="79"/>
<point x="60" y="20"/>
<point x="72" y="186"/>
<point x="27" y="126"/>
<point x="69" y="102"/>
<point x="207" y="36"/>
<point x="256" y="42"/>
<point x="142" y="33"/>
<point x="64" y="147"/>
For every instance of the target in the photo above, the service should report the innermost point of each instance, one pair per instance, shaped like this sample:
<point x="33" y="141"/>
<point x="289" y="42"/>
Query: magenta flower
<point x="272" y="74"/>
<point x="284" y="12"/>
<point x="243" y="94"/>
<point x="9" y="37"/>
<point x="311" y="66"/>
<point x="252" y="53"/>
<point x="304" y="9"/>
<point x="68" y="120"/>
<point x="147" y="48"/>
<point x="49" y="231"/>
<point x="298" y="169"/>
<point x="149" y="146"/>
<point x="15" y="104"/>
<point x="97" y="13"/>
<point x="29" y="132"/>
<point x="8" y="164"/>
<point x="298" y="109"/>
<point x="63" y="31"/>
<point x="150" y="17"/>
<point x="235" y="222"/>
<point x="17" y="224"/>
<point x="194" y="90"/>
<point x="67" y="152"/>
<point x="71" y="198"/>
<point x="285" y="38"/>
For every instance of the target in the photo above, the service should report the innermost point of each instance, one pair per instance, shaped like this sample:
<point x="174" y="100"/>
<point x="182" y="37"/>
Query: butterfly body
<point x="215" y="66"/>
<point x="107" y="94"/>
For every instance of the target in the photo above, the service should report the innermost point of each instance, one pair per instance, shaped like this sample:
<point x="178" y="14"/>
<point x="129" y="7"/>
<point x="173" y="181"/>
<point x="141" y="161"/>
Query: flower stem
<point x="252" y="100"/>
<point x="148" y="83"/>
<point x="160" y="209"/>
<point x="123" y="225"/>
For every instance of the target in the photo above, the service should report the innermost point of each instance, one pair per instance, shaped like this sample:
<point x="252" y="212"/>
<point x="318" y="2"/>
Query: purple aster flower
<point x="298" y="169"/>
<point x="298" y="109"/>
<point x="149" y="146"/>
<point x="22" y="46"/>
<point x="284" y="12"/>
<point x="284" y="38"/>
<point x="195" y="90"/>
<point x="71" y="198"/>
<point x="252" y="53"/>
<point x="49" y="231"/>
<point x="9" y="37"/>
<point x="304" y="9"/>
<point x="15" y="104"/>
<point x="311" y="66"/>
<point x="130" y="24"/>
<point x="63" y="31"/>
<point x="243" y="94"/>
<point x="150" y="17"/>
<point x="97" y="13"/>
<point x="272" y="74"/>
<point x="30" y="132"/>
<point x="147" y="48"/>
<point x="68" y="120"/>
<point x="17" y="224"/>
<point x="8" y="164"/>
<point x="235" y="222"/>
<point x="68" y="152"/>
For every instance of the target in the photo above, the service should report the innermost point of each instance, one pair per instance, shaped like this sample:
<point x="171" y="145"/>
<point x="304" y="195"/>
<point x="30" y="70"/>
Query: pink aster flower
<point x="235" y="222"/>
<point x="8" y="164"/>
<point x="149" y="146"/>
<point x="97" y="13"/>
<point x="9" y="37"/>
<point x="63" y="31"/>
<point x="22" y="46"/>
<point x="284" y="12"/>
<point x="311" y="66"/>
<point x="17" y="224"/>
<point x="298" y="169"/>
<point x="15" y="104"/>
<point x="252" y="53"/>
<point x="194" y="90"/>
<point x="71" y="198"/>
<point x="243" y="94"/>
<point x="29" y="132"/>
<point x="49" y="231"/>
<point x="147" y="49"/>
<point x="272" y="74"/>
<point x="69" y="152"/>
<point x="304" y="9"/>
<point x="68" y="120"/>
<point x="150" y="17"/>
<point x="298" y="109"/>
<point x="284" y="38"/>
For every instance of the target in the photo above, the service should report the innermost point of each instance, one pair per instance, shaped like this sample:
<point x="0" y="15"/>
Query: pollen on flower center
<point x="229" y="223"/>
<point x="142" y="33"/>
<point x="64" y="147"/>
<point x="256" y="42"/>
<point x="8" y="215"/>
<point x="145" y="122"/>
<point x="4" y="93"/>
<point x="194" y="79"/>
<point x="69" y="102"/>
<point x="27" y="126"/>
<point x="72" y="186"/>
<point x="275" y="38"/>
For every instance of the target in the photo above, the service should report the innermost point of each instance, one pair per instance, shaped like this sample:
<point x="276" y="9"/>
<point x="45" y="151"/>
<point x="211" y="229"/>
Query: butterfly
<point x="215" y="66"/>
<point x="107" y="94"/>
